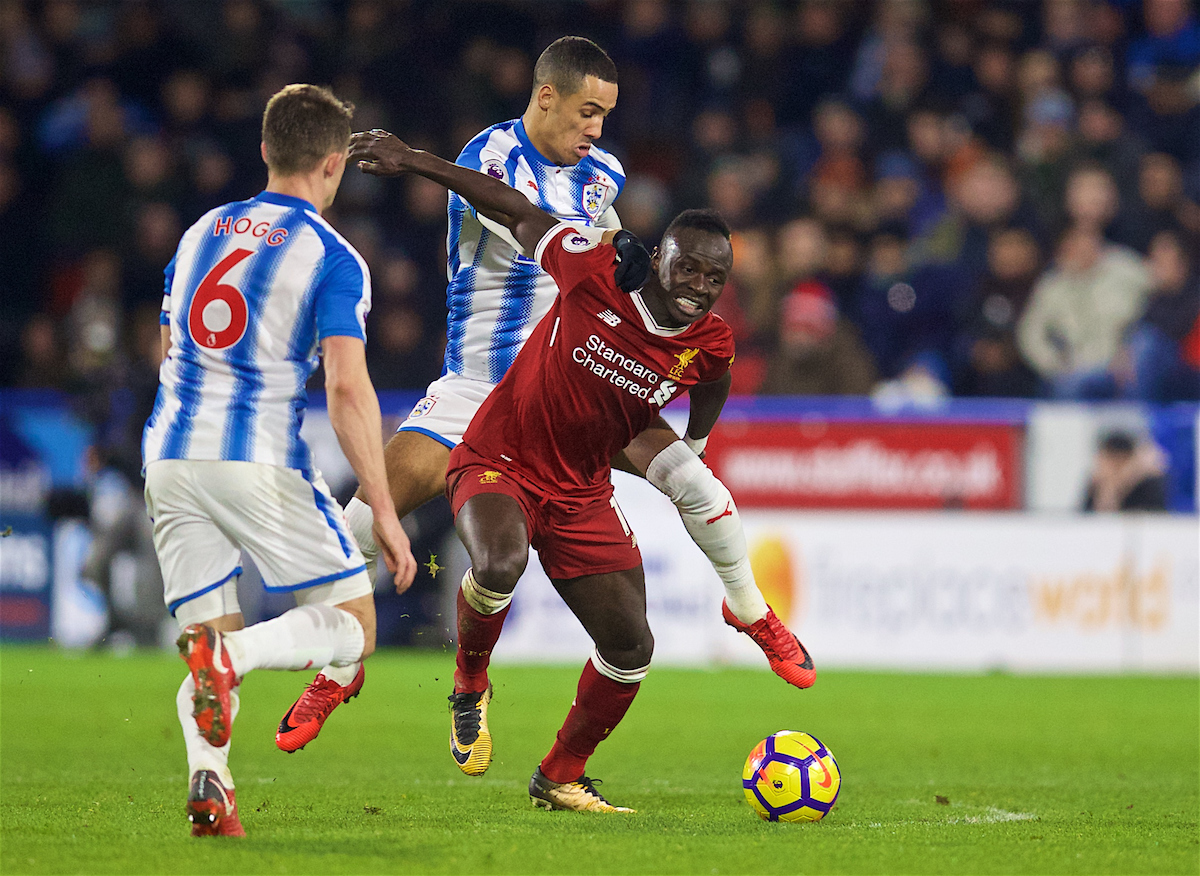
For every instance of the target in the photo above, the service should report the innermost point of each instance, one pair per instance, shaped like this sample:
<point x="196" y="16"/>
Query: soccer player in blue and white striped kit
<point x="256" y="291"/>
<point x="496" y="296"/>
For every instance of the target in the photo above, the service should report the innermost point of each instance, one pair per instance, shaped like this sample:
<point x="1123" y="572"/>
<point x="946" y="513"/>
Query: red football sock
<point x="477" y="635"/>
<point x="600" y="704"/>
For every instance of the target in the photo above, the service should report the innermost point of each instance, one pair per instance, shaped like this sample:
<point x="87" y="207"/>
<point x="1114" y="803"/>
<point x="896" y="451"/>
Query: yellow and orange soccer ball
<point x="791" y="776"/>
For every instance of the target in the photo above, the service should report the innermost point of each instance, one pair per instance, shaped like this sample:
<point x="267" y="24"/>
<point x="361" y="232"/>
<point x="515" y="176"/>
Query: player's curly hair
<point x="702" y="220"/>
<point x="301" y="125"/>
<point x="568" y="61"/>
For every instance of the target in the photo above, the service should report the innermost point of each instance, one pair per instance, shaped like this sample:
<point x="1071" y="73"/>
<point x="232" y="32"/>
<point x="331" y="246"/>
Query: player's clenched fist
<point x="379" y="153"/>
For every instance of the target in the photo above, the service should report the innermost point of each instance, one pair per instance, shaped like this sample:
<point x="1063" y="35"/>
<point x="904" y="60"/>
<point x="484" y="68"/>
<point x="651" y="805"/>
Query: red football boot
<point x="212" y="808"/>
<point x="307" y="715"/>
<point x="203" y="651"/>
<point x="787" y="657"/>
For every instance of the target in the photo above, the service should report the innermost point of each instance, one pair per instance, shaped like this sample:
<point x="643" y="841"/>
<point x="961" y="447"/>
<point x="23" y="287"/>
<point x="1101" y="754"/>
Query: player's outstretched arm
<point x="354" y="414"/>
<point x="706" y="401"/>
<point x="382" y="154"/>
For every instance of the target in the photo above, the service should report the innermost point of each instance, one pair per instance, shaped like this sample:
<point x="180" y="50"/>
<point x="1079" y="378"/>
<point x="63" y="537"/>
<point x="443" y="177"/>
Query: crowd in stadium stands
<point x="929" y="198"/>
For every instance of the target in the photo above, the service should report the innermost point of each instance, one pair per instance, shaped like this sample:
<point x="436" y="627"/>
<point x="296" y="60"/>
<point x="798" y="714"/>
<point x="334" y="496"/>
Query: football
<point x="791" y="776"/>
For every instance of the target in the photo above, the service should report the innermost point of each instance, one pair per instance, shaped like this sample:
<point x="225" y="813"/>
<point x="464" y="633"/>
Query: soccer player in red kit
<point x="533" y="468"/>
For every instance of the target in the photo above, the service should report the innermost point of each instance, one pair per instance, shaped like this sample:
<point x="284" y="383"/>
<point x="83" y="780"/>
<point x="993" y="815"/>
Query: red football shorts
<point x="573" y="538"/>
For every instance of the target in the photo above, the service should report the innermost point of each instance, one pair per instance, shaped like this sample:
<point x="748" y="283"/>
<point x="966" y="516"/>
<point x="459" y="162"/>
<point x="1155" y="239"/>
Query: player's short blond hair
<point x="301" y="125"/>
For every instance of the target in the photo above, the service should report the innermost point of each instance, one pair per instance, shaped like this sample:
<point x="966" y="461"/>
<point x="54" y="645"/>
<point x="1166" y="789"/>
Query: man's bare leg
<point x="416" y="472"/>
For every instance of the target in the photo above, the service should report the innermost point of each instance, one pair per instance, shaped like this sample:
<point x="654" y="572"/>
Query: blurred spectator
<point x="120" y="123"/>
<point x="93" y="324"/>
<point x="819" y="352"/>
<point x="400" y="353"/>
<point x="121" y="559"/>
<point x="906" y="312"/>
<point x="1038" y="72"/>
<point x="90" y="178"/>
<point x="893" y="21"/>
<point x="993" y="364"/>
<point x="1168" y="114"/>
<point x="1103" y="138"/>
<point x="1064" y="27"/>
<point x="151" y="246"/>
<point x="902" y="84"/>
<point x="1072" y="328"/>
<point x="992" y="108"/>
<point x="843" y="266"/>
<point x="748" y="302"/>
<point x="645" y="206"/>
<point x="802" y="246"/>
<point x="1172" y="37"/>
<point x="1045" y="147"/>
<point x="924" y="382"/>
<point x="837" y="181"/>
<point x="1160" y="203"/>
<point x="896" y="191"/>
<point x="731" y="189"/>
<point x="1092" y="74"/>
<point x="985" y="197"/>
<point x="817" y="65"/>
<point x="1093" y="202"/>
<point x="1127" y="475"/>
<point x="211" y="181"/>
<point x="29" y="67"/>
<point x="42" y="365"/>
<point x="952" y="77"/>
<point x="1155" y="346"/>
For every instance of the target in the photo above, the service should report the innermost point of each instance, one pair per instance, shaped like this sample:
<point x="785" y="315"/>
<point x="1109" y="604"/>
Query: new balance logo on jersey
<point x="609" y="317"/>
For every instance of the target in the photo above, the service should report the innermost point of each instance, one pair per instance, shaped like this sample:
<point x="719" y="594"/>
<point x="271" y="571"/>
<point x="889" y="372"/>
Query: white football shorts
<point x="447" y="408"/>
<point x="205" y="512"/>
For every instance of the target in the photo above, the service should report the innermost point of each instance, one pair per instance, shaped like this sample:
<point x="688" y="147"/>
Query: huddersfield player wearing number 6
<point x="625" y="334"/>
<point x="256" y="290"/>
<point x="496" y="295"/>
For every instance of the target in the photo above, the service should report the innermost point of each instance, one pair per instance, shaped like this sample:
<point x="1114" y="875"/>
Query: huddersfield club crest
<point x="594" y="195"/>
<point x="424" y="406"/>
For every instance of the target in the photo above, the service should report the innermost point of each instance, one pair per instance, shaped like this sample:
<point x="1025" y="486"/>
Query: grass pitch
<point x="942" y="774"/>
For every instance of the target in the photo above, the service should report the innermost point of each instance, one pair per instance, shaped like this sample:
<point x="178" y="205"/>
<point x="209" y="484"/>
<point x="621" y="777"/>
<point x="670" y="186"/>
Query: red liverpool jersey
<point x="594" y="373"/>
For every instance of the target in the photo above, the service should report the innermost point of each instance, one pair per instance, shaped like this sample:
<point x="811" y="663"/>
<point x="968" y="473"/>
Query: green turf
<point x="1041" y="775"/>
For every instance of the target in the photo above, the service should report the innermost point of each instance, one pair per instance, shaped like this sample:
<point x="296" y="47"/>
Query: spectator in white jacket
<point x="1073" y="327"/>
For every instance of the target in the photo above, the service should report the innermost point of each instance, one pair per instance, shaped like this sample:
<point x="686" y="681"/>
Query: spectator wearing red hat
<point x="819" y="352"/>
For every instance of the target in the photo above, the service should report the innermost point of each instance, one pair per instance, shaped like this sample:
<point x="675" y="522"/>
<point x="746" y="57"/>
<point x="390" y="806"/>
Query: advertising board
<point x="943" y="591"/>
<point x="869" y="464"/>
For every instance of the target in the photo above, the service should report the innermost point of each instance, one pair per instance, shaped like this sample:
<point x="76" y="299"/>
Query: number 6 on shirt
<point x="219" y="315"/>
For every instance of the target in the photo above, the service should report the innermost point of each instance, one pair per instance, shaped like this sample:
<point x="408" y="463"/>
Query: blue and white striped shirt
<point x="496" y="295"/>
<point x="252" y="289"/>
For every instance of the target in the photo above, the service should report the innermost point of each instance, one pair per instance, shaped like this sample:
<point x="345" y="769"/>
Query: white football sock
<point x="713" y="522"/>
<point x="305" y="636"/>
<point x="343" y="675"/>
<point x="480" y="598"/>
<point x="201" y="754"/>
<point x="360" y="520"/>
